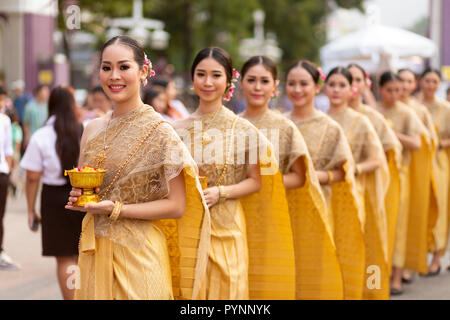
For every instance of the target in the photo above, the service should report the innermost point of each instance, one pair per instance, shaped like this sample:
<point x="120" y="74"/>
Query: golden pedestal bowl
<point x="87" y="181"/>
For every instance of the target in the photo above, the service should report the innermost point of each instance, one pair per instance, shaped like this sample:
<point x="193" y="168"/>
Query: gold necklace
<point x="206" y="138"/>
<point x="101" y="157"/>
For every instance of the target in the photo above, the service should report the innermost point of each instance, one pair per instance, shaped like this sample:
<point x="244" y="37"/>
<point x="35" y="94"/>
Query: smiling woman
<point x="334" y="165"/>
<point x="248" y="257"/>
<point x="133" y="253"/>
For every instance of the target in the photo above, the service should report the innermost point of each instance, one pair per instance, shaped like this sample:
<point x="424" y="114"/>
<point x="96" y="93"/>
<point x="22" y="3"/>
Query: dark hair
<point x="312" y="69"/>
<point x="160" y="82"/>
<point x="3" y="91"/>
<point x="99" y="89"/>
<point x="388" y="76"/>
<point x="68" y="129"/>
<point x="133" y="44"/>
<point x="218" y="54"/>
<point x="12" y="114"/>
<point x="263" y="60"/>
<point x="431" y="70"/>
<point x="150" y="94"/>
<point x="342" y="71"/>
<point x="38" y="88"/>
<point x="407" y="70"/>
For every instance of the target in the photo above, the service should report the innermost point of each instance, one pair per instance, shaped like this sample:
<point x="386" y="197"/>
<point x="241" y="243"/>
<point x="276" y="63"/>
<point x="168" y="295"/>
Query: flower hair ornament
<point x="151" y="72"/>
<point x="368" y="81"/>
<point x="322" y="76"/>
<point x="230" y="87"/>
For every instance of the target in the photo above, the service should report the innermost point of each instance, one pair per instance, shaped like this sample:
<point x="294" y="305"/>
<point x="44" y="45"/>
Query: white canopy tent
<point x="378" y="48"/>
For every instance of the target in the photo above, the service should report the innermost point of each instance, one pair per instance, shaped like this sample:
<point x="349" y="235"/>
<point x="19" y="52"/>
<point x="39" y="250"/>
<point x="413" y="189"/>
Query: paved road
<point x="37" y="278"/>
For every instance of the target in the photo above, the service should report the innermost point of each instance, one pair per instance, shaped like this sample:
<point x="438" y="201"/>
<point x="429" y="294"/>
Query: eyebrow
<point x="212" y="70"/>
<point x="121" y="61"/>
<point x="263" y="77"/>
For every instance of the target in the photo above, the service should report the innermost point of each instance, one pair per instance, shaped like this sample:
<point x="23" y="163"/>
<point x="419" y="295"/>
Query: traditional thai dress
<point x="330" y="150"/>
<point x="393" y="151"/>
<point x="252" y="251"/>
<point x="410" y="250"/>
<point x="318" y="274"/>
<point x="440" y="113"/>
<point x="372" y="188"/>
<point x="142" y="259"/>
<point x="438" y="199"/>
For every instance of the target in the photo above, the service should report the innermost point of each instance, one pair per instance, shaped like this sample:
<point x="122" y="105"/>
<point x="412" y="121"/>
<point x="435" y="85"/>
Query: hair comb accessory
<point x="230" y="88"/>
<point x="368" y="81"/>
<point x="322" y="76"/>
<point x="151" y="72"/>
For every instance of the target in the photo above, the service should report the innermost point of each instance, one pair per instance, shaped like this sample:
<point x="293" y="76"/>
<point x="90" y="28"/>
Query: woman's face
<point x="210" y="80"/>
<point x="390" y="92"/>
<point x="430" y="84"/>
<point x="160" y="103"/>
<point x="258" y="85"/>
<point x="300" y="87"/>
<point x="408" y="83"/>
<point x="171" y="90"/>
<point x="359" y="82"/>
<point x="338" y="90"/>
<point x="120" y="75"/>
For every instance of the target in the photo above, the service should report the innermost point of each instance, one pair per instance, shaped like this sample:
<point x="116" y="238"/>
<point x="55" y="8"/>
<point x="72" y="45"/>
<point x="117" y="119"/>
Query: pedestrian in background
<point x="17" y="138"/>
<point x="175" y="108"/>
<point x="20" y="97"/>
<point x="158" y="100"/>
<point x="36" y="112"/>
<point x="52" y="149"/>
<point x="6" y="152"/>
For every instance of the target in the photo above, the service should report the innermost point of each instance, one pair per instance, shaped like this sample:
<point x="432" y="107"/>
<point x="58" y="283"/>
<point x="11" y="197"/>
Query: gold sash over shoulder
<point x="415" y="178"/>
<point x="255" y="229"/>
<point x="440" y="114"/>
<point x="318" y="273"/>
<point x="393" y="152"/>
<point x="372" y="188"/>
<point x="329" y="150"/>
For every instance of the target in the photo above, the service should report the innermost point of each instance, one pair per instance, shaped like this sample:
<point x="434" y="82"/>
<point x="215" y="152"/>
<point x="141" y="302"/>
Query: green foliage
<point x="193" y="24"/>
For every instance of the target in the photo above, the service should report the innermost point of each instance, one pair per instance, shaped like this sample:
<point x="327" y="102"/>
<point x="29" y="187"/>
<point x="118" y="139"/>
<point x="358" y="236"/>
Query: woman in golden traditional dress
<point x="252" y="251"/>
<point x="334" y="165"/>
<point x="318" y="274"/>
<point x="148" y="237"/>
<point x="438" y="218"/>
<point x="391" y="146"/>
<point x="440" y="113"/>
<point x="372" y="179"/>
<point x="410" y="249"/>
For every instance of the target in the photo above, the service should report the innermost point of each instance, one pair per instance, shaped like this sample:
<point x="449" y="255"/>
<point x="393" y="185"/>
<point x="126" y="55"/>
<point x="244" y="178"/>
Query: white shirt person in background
<point x="53" y="148"/>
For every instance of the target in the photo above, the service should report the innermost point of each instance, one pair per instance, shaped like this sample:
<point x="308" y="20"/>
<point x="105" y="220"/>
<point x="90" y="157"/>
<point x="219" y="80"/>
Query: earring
<point x="276" y="92"/>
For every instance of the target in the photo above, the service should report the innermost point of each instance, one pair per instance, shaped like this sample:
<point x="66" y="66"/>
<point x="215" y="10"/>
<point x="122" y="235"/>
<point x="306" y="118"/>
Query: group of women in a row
<point x="261" y="205"/>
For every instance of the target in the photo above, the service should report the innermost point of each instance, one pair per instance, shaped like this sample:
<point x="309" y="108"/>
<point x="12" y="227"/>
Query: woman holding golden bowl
<point x="126" y="250"/>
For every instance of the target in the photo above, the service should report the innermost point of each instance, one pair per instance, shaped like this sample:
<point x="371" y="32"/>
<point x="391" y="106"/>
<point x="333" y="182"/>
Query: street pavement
<point x="37" y="277"/>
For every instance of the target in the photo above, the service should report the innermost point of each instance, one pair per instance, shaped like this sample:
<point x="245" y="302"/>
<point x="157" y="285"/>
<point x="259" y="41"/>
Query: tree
<point x="193" y="24"/>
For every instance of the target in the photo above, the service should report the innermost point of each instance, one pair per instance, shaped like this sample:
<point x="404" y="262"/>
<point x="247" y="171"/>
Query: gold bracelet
<point x="357" y="170"/>
<point x="222" y="193"/>
<point x="116" y="211"/>
<point x="330" y="176"/>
